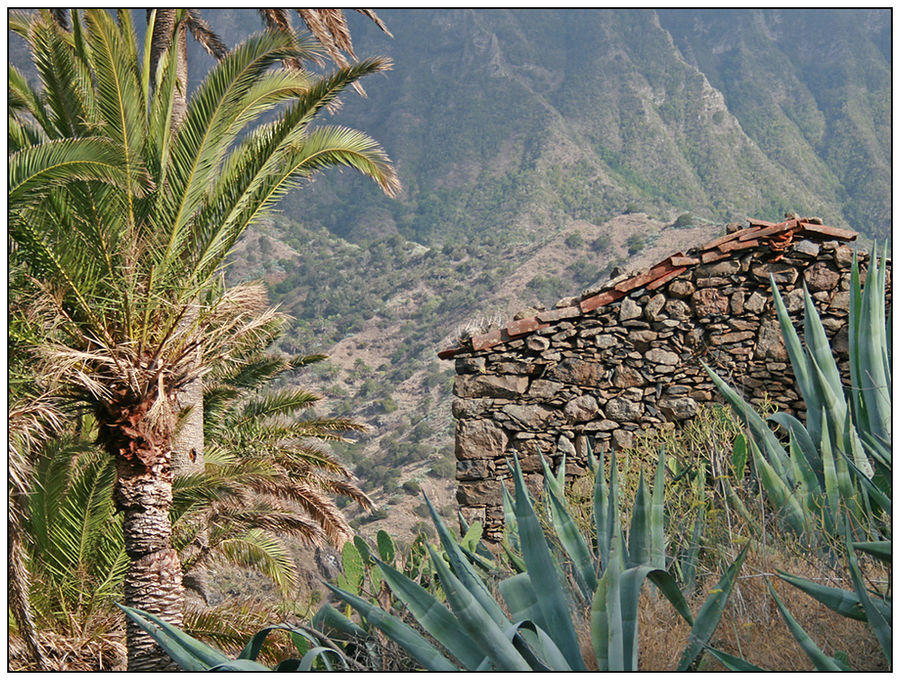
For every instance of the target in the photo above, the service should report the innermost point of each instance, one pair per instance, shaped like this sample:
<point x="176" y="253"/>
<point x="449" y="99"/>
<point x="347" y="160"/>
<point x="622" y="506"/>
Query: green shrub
<point x="635" y="243"/>
<point x="601" y="243"/>
<point x="683" y="221"/>
<point x="574" y="240"/>
<point x="443" y="468"/>
<point x="411" y="487"/>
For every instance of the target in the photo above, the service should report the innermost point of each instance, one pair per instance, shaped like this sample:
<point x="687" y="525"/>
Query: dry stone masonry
<point x="626" y="358"/>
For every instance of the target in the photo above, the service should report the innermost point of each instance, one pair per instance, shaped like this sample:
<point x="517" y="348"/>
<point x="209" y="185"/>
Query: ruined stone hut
<point x="626" y="358"/>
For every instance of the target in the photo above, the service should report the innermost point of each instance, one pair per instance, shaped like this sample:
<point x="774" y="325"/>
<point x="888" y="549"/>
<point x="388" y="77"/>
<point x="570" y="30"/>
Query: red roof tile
<point x="725" y="239"/>
<point x="739" y="245"/>
<point x="712" y="256"/>
<point x="522" y="326"/>
<point x="768" y="231"/>
<point x="665" y="278"/>
<point x="643" y="279"/>
<point x="600" y="299"/>
<point x="833" y="232"/>
<point x="489" y="339"/>
<point x="761" y="223"/>
<point x="559" y="314"/>
<point x="684" y="261"/>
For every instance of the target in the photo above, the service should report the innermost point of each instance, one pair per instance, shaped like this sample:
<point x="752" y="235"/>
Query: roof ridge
<point x="777" y="236"/>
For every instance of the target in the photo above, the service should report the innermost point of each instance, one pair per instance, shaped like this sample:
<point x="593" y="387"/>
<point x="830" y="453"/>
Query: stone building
<point x="627" y="357"/>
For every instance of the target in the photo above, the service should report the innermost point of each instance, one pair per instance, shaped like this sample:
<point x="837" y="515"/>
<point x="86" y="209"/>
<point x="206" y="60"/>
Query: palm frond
<point x="204" y="35"/>
<point x="264" y="551"/>
<point x="35" y="170"/>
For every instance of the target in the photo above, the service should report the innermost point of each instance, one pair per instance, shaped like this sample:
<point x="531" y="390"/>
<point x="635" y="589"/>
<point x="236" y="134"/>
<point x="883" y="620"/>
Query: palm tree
<point x="329" y="28"/>
<point x="124" y="223"/>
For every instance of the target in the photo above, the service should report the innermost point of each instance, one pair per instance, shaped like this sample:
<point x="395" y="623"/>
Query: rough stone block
<point x="478" y="493"/>
<point x="681" y="288"/>
<point x="678" y="408"/>
<point x="578" y="372"/>
<point x="620" y="410"/>
<point x="582" y="408"/>
<point x="769" y="344"/>
<point x="709" y="302"/>
<point x="530" y="416"/>
<point x="501" y="386"/>
<point x="479" y="439"/>
<point x="821" y="277"/>
<point x="661" y="356"/>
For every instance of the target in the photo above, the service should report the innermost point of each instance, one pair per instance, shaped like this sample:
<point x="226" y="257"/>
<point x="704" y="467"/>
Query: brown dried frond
<point x="374" y="17"/>
<point x="204" y="35"/>
<point x="94" y="645"/>
<point x="278" y="20"/>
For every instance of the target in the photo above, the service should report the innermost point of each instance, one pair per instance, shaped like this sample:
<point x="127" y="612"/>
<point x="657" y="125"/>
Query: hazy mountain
<point x="515" y="120"/>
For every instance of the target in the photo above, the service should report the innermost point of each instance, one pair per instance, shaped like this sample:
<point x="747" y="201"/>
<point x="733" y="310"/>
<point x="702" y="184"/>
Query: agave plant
<point x="533" y="627"/>
<point x="834" y="482"/>
<point x="840" y="461"/>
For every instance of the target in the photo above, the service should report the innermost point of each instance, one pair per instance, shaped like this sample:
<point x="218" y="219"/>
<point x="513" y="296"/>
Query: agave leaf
<point x="315" y="653"/>
<point x="780" y="496"/>
<point x="630" y="584"/>
<point x="519" y="595"/>
<point x="602" y="517"/>
<point x="877" y="621"/>
<point x="707" y="619"/>
<point x="844" y="602"/>
<point x="434" y="617"/>
<point x="871" y="342"/>
<point x="689" y="563"/>
<point x="663" y="580"/>
<point x="639" y="534"/>
<point x="464" y="570"/>
<point x="510" y="528"/>
<point x="761" y="433"/>
<point x="251" y="649"/>
<point x="476" y="622"/>
<point x="880" y="550"/>
<point x="808" y="490"/>
<point x="332" y="618"/>
<point x="803" y="440"/>
<point x="733" y="663"/>
<point x="818" y="347"/>
<point x="606" y="613"/>
<point x="805" y="381"/>
<point x="190" y="654"/>
<point x="245" y="665"/>
<point x="537" y="647"/>
<point x="417" y="646"/>
<point x="543" y="573"/>
<point x="822" y="661"/>
<point x="573" y="542"/>
<point x="832" y="487"/>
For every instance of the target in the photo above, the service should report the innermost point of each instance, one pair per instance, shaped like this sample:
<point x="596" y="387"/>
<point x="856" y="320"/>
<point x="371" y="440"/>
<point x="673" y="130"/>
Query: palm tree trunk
<point x="144" y="495"/>
<point x="163" y="32"/>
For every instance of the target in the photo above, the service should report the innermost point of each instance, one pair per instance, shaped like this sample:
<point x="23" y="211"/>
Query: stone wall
<point x="627" y="358"/>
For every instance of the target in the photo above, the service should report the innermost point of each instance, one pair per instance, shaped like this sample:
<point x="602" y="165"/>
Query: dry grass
<point x="752" y="627"/>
